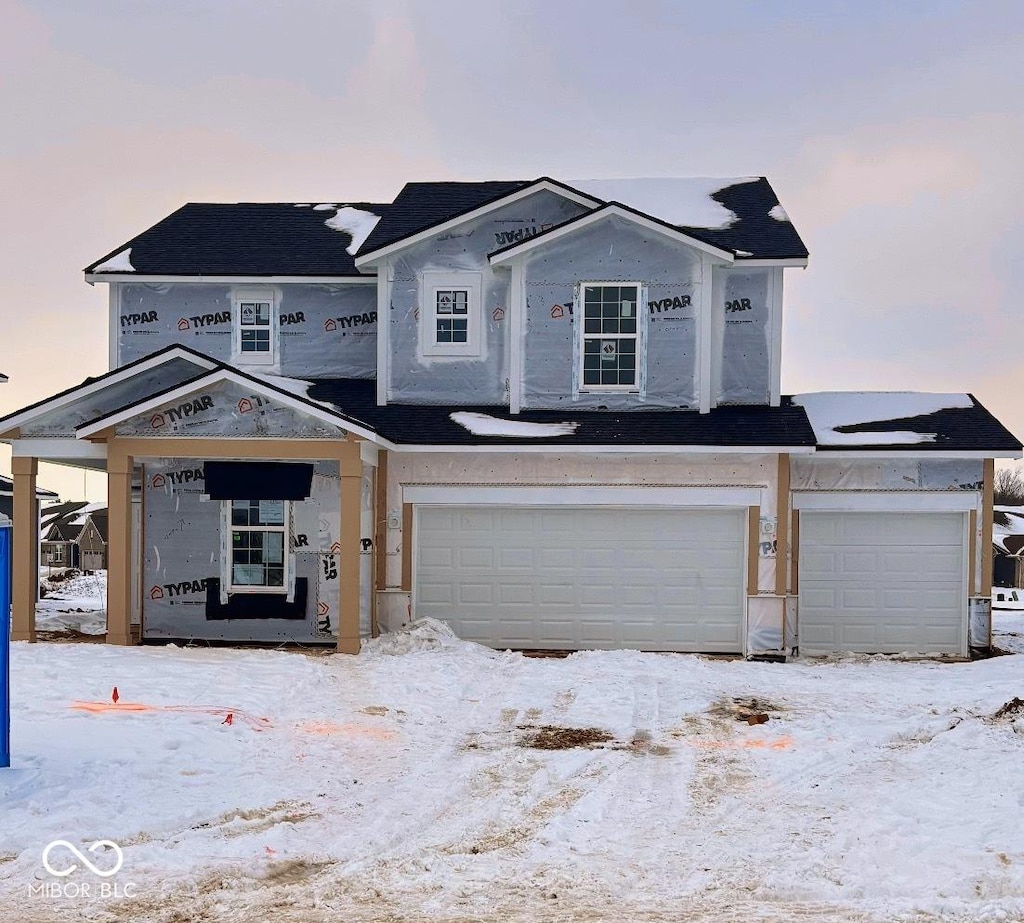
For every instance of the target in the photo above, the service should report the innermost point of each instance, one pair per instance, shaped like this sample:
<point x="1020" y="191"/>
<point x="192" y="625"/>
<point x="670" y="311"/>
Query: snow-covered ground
<point x="401" y="785"/>
<point x="77" y="604"/>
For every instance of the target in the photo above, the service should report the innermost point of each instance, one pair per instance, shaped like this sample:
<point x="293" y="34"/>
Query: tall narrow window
<point x="255" y="327"/>
<point x="254" y="318"/>
<point x="610" y="343"/>
<point x="259" y="542"/>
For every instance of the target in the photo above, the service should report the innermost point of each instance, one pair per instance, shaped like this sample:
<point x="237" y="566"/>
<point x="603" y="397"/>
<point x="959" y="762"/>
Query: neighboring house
<point x="1008" y="547"/>
<point x="549" y="414"/>
<point x="74" y="535"/>
<point x="7" y="497"/>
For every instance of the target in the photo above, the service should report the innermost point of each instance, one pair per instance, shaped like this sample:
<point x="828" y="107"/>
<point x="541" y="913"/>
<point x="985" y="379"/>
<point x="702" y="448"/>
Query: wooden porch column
<point x="351" y="468"/>
<point x="988" y="490"/>
<point x="119" y="548"/>
<point x="25" y="550"/>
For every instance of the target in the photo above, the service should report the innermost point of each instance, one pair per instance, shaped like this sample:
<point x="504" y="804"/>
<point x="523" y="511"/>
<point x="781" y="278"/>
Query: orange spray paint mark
<point x="330" y="728"/>
<point x="257" y="724"/>
<point x="777" y="743"/>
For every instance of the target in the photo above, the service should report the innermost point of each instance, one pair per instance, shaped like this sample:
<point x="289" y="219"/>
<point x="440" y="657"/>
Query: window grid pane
<point x="610" y="332"/>
<point x="452" y="310"/>
<point x="258" y="543"/>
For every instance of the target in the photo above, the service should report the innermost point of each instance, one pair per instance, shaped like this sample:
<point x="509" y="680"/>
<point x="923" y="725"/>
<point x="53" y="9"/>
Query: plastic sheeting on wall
<point x="765" y="624"/>
<point x="745" y="364"/>
<point x="63" y="420"/>
<point x="612" y="250"/>
<point x="324" y="330"/>
<point x="909" y="474"/>
<point x="458" y="380"/>
<point x="227" y="409"/>
<point x="183" y="550"/>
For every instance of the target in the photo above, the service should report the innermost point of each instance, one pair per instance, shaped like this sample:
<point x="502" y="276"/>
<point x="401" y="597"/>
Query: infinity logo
<point x="99" y="844"/>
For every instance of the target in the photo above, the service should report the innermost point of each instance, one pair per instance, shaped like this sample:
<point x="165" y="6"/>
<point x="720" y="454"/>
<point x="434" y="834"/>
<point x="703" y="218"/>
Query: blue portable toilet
<point x="5" y="641"/>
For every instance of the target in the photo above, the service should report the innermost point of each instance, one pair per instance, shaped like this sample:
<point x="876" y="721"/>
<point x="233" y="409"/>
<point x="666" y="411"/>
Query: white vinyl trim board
<point x="584" y="577"/>
<point x="884" y="582"/>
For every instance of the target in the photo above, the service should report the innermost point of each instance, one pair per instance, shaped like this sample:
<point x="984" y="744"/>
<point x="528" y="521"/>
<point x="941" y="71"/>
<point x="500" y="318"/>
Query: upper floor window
<point x="255" y="327"/>
<point x="450" y="314"/>
<point x="610" y="336"/>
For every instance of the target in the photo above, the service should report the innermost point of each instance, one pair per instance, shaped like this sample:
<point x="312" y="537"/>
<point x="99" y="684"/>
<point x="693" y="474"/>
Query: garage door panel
<point x="585" y="577"/>
<point x="906" y="592"/>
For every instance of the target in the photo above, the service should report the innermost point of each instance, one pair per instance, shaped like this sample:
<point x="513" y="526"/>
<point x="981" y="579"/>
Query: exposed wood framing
<point x="351" y="470"/>
<point x="24" y="549"/>
<point x="753" y="538"/>
<point x="986" y="527"/>
<point x="972" y="552"/>
<point x="120" y="468"/>
<point x="782" y="526"/>
<point x="407" y="547"/>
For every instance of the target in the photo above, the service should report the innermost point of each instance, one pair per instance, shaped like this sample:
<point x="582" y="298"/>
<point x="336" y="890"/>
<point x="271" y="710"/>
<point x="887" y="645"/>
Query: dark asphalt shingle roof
<point x="287" y="239"/>
<point x="425" y="424"/>
<point x="247" y="239"/>
<point x="960" y="428"/>
<point x="422" y="205"/>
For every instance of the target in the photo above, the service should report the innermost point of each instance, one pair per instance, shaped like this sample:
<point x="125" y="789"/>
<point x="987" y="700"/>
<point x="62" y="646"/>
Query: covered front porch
<point x="279" y="549"/>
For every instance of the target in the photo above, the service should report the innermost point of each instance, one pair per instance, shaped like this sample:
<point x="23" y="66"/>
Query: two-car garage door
<point x="882" y="582"/>
<point x="584" y="577"/>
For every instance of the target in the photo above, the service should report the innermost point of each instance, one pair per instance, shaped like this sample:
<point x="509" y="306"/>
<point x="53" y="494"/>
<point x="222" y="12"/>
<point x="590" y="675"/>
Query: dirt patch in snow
<point x="1010" y="710"/>
<point x="750" y="709"/>
<point x="551" y="737"/>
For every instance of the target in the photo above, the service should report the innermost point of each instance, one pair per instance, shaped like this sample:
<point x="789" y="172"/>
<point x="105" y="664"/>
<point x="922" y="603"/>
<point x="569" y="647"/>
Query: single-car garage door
<point x="584" y="577"/>
<point x="876" y="582"/>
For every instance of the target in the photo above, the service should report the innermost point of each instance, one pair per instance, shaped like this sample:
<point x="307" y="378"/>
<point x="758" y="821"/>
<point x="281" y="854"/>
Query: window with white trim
<point x="610" y="336"/>
<point x="259" y="546"/>
<point x="255" y="327"/>
<point x="450" y="314"/>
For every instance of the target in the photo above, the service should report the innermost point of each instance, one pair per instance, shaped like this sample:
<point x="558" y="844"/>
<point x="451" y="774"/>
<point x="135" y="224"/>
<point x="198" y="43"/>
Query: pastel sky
<point x="892" y="132"/>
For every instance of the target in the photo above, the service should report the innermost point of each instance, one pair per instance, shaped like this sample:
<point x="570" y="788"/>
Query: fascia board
<point x="372" y="257"/>
<point x="93" y="277"/>
<point x="617" y="449"/>
<point x="896" y="454"/>
<point x="507" y="254"/>
<point x="788" y="262"/>
<point x="111" y="378"/>
<point x="92" y="427"/>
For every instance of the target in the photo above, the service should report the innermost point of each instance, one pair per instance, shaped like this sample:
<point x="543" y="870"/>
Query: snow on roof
<point x="827" y="411"/>
<point x="354" y="222"/>
<point x="119" y="262"/>
<point x="81" y="515"/>
<point x="480" y="424"/>
<point x="680" y="201"/>
<point x="297" y="386"/>
<point x="778" y="213"/>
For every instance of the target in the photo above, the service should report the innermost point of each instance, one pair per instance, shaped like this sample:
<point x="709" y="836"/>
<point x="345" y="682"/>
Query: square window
<point x="259" y="539"/>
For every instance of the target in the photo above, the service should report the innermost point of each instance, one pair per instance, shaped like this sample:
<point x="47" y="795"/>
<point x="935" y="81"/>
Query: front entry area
<point x="883" y="582"/>
<point x="568" y="578"/>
